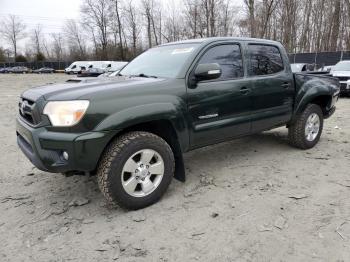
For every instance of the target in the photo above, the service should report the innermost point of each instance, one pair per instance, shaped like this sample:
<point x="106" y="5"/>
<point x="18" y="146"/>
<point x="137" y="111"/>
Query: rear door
<point x="272" y="86"/>
<point x="220" y="108"/>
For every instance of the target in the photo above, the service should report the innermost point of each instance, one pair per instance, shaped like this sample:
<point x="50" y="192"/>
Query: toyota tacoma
<point x="132" y="129"/>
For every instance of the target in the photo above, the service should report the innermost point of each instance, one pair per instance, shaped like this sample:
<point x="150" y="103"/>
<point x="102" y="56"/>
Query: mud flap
<point x="179" y="167"/>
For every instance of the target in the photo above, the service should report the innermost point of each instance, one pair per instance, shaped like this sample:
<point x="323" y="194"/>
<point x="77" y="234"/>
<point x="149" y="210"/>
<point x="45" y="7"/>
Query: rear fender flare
<point x="307" y="93"/>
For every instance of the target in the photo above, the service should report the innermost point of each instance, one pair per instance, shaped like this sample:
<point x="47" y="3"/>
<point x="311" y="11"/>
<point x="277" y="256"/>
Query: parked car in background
<point x="302" y="67"/>
<point x="91" y="72"/>
<point x="44" y="70"/>
<point x="4" y="70"/>
<point x="106" y="68"/>
<point x="326" y="68"/>
<point x="19" y="70"/>
<point x="110" y="74"/>
<point x="342" y="71"/>
<point x="90" y="79"/>
<point x="115" y="66"/>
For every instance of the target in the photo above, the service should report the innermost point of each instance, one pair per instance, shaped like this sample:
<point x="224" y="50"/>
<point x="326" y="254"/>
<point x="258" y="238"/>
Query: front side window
<point x="229" y="58"/>
<point x="265" y="60"/>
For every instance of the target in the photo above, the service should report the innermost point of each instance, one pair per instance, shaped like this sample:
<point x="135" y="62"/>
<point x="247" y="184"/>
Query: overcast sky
<point x="50" y="13"/>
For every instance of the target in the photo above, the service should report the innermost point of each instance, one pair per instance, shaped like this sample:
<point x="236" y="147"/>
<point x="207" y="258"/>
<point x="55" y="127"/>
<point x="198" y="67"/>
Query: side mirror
<point x="207" y="71"/>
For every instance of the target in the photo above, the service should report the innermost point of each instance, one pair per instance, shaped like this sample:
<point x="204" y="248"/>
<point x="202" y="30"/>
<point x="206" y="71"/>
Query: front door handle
<point x="285" y="85"/>
<point x="244" y="90"/>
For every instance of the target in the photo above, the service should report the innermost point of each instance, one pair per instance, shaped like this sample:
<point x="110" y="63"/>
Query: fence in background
<point x="320" y="59"/>
<point x="57" y="65"/>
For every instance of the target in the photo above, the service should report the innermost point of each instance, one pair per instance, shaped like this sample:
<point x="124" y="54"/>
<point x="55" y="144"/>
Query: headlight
<point x="65" y="113"/>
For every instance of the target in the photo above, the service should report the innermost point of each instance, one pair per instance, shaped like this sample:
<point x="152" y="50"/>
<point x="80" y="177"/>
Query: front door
<point x="220" y="108"/>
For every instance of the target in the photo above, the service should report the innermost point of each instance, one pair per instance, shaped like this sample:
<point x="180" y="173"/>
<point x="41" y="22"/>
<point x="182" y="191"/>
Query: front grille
<point x="343" y="86"/>
<point x="27" y="111"/>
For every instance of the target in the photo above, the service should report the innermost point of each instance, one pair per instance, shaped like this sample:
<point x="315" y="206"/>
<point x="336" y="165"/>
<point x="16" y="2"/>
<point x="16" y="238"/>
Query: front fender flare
<point x="150" y="112"/>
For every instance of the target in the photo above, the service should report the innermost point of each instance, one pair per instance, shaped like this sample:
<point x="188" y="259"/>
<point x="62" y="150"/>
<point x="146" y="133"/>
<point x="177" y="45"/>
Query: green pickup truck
<point x="131" y="130"/>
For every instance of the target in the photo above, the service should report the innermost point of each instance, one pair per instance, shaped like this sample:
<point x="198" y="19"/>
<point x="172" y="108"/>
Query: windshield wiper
<point x="144" y="75"/>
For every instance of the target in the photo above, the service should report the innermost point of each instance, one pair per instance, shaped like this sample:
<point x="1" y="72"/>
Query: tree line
<point x="121" y="29"/>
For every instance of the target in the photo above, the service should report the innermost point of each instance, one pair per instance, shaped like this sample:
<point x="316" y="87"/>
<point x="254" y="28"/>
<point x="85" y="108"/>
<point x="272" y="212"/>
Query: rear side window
<point x="229" y="58"/>
<point x="265" y="60"/>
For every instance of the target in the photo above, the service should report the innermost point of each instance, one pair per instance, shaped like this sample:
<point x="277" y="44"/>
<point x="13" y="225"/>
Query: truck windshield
<point x="163" y="61"/>
<point x="342" y="66"/>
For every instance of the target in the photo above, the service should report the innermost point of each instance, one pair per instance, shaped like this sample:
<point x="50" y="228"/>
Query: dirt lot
<point x="253" y="199"/>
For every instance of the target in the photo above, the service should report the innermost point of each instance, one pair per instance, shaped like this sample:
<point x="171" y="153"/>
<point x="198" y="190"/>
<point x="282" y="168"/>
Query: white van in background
<point x="107" y="66"/>
<point x="76" y="67"/>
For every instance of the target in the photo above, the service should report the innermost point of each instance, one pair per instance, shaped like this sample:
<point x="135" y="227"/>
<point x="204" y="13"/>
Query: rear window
<point x="264" y="60"/>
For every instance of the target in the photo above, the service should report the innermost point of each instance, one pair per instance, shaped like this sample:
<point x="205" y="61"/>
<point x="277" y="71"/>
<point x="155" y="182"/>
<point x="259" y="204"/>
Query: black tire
<point x="109" y="172"/>
<point x="296" y="132"/>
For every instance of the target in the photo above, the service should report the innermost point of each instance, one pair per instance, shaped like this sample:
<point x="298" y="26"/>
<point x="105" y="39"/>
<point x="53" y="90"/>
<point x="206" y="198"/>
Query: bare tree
<point x="347" y="23"/>
<point x="192" y="16"/>
<point x="268" y="7"/>
<point x="147" y="5"/>
<point x="250" y="5"/>
<point x="96" y="14"/>
<point x="119" y="32"/>
<point x="46" y="48"/>
<point x="37" y="38"/>
<point x="75" y="37"/>
<point x="173" y="25"/>
<point x="132" y="25"/>
<point x="114" y="28"/>
<point x="57" y="45"/>
<point x="13" y="30"/>
<point x="335" y="26"/>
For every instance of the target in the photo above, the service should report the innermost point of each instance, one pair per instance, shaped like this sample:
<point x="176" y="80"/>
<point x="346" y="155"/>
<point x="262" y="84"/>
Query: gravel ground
<point x="252" y="199"/>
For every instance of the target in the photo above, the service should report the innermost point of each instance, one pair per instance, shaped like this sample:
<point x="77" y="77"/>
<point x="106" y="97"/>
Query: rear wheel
<point x="136" y="170"/>
<point x="306" y="131"/>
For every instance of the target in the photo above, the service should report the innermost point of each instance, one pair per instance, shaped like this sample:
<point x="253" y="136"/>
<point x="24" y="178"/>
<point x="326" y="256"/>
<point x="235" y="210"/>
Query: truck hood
<point x="85" y="89"/>
<point x="341" y="73"/>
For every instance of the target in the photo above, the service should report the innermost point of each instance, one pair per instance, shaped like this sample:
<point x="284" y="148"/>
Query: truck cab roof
<point x="216" y="39"/>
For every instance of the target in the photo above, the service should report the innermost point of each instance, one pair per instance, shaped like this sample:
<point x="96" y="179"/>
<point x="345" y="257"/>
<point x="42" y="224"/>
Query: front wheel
<point x="136" y="170"/>
<point x="306" y="130"/>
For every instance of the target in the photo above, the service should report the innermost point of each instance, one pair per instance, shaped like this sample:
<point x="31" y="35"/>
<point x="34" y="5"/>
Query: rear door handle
<point x="286" y="85"/>
<point x="244" y="90"/>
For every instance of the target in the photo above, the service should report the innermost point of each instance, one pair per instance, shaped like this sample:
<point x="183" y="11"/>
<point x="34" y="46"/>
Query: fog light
<point x="65" y="155"/>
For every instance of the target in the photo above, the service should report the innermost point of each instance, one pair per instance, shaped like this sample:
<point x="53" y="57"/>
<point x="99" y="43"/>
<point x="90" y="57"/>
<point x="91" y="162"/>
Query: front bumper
<point x="45" y="148"/>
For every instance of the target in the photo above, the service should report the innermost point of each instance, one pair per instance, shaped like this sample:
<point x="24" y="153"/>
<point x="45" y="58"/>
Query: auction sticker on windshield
<point x="182" y="50"/>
